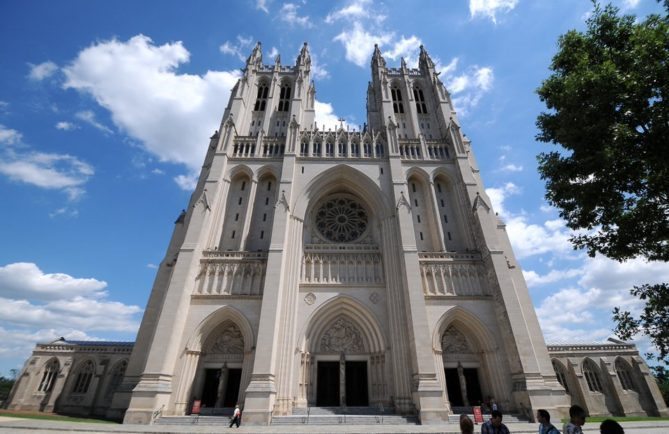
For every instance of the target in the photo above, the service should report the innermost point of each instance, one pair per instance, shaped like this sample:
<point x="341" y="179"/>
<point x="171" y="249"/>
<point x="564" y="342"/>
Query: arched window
<point x="84" y="378"/>
<point x="421" y="108"/>
<point x="49" y="376"/>
<point x="561" y="376"/>
<point x="116" y="377"/>
<point x="623" y="371"/>
<point x="284" y="98"/>
<point x="261" y="101"/>
<point x="590" y="372"/>
<point x="398" y="107"/>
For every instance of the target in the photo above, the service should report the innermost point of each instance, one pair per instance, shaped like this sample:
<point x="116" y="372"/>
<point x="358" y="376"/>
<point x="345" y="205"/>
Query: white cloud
<point x="49" y="171"/>
<point x="186" y="182"/>
<point x="289" y="14"/>
<point x="326" y="118"/>
<point x="4" y="107"/>
<point x="273" y="53"/>
<point x="9" y="136"/>
<point x="64" y="211"/>
<point x="529" y="239"/>
<point x="318" y="70"/>
<point x="354" y="9"/>
<point x="79" y="312"/>
<point x="490" y="8"/>
<point x="408" y="48"/>
<point x="630" y="4"/>
<point x="42" y="71"/>
<point x="40" y="307"/>
<point x="26" y="280"/>
<point x="577" y="311"/>
<point x="511" y="168"/>
<point x="498" y="195"/>
<point x="359" y="44"/>
<point x="171" y="114"/>
<point x="89" y="117"/>
<point x="240" y="48"/>
<point x="534" y="279"/>
<point x="262" y="5"/>
<point x="468" y="87"/>
<point x="65" y="126"/>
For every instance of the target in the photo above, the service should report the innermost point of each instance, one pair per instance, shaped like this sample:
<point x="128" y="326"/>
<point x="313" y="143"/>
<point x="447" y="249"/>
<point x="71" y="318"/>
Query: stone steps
<point x="350" y="419"/>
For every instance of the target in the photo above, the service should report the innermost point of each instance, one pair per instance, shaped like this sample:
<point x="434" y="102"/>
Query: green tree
<point x="608" y="112"/>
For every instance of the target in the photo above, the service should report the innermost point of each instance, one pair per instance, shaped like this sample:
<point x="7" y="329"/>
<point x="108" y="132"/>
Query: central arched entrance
<point x="343" y="360"/>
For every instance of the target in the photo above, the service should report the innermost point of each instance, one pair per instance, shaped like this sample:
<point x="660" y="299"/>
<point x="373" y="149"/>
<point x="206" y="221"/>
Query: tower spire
<point x="256" y="55"/>
<point x="425" y="63"/>
<point x="377" y="59"/>
<point x="304" y="58"/>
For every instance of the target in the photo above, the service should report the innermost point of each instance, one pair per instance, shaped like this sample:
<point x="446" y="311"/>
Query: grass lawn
<point x="50" y="416"/>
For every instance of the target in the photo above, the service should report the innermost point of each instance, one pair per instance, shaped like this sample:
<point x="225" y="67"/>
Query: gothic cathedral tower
<point x="336" y="267"/>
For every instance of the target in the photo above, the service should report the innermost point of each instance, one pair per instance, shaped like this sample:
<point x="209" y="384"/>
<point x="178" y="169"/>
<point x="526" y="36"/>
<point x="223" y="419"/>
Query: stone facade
<point x="342" y="267"/>
<point x="72" y="377"/>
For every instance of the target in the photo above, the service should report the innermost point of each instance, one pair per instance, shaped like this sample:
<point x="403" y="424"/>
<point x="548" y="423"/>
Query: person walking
<point x="236" y="417"/>
<point x="576" y="420"/>
<point x="545" y="426"/>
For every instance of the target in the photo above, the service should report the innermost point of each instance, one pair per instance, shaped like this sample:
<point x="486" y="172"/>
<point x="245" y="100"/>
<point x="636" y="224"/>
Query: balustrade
<point x="453" y="274"/>
<point x="231" y="273"/>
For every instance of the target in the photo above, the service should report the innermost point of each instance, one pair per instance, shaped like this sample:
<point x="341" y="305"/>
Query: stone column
<point x="463" y="385"/>
<point x="222" y="385"/>
<point x="342" y="380"/>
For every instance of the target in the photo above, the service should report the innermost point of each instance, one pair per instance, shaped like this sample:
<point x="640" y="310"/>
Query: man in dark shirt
<point x="494" y="425"/>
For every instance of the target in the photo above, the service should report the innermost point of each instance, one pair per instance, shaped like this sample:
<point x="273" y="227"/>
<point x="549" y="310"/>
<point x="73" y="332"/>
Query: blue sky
<point x="106" y="109"/>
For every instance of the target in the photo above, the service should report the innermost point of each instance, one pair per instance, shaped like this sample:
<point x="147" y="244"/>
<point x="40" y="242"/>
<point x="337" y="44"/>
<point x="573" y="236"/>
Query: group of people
<point x="576" y="420"/>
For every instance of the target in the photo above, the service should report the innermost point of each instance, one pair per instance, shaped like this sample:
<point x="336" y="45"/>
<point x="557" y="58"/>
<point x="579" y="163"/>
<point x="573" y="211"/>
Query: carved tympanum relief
<point x="342" y="337"/>
<point x="453" y="341"/>
<point x="230" y="341"/>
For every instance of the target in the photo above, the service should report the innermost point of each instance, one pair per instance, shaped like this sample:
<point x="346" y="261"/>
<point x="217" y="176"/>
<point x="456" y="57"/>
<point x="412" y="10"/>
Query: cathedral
<point x="337" y="267"/>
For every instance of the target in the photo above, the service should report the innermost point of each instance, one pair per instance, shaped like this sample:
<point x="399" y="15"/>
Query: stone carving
<point x="310" y="298"/>
<point x="230" y="341"/>
<point x="375" y="297"/>
<point x="453" y="341"/>
<point x="342" y="337"/>
<point x="403" y="202"/>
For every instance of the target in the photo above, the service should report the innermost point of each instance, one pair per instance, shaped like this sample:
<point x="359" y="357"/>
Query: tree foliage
<point x="653" y="321"/>
<point x="608" y="107"/>
<point x="608" y="112"/>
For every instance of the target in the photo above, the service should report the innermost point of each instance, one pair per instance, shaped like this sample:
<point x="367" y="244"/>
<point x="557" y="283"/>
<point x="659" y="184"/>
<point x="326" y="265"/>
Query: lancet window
<point x="591" y="376"/>
<point x="398" y="106"/>
<point x="261" y="100"/>
<point x="623" y="372"/>
<point x="84" y="377"/>
<point x="284" y="98"/>
<point x="49" y="376"/>
<point x="421" y="108"/>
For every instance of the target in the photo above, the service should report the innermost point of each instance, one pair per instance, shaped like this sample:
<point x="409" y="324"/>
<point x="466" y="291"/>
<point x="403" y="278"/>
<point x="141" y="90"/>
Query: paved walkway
<point x="19" y="425"/>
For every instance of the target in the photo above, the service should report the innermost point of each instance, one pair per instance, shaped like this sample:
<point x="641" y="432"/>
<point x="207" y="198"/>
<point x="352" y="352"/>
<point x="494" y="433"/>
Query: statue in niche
<point x="453" y="341"/>
<point x="230" y="341"/>
<point x="342" y="337"/>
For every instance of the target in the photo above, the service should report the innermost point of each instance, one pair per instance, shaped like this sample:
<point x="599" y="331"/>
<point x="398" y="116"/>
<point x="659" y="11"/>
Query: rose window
<point x="341" y="220"/>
